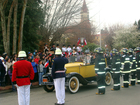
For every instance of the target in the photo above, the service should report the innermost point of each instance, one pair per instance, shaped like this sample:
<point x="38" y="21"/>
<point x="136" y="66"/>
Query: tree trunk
<point x="21" y="26"/>
<point x="15" y="27"/>
<point x="3" y="25"/>
<point x="8" y="28"/>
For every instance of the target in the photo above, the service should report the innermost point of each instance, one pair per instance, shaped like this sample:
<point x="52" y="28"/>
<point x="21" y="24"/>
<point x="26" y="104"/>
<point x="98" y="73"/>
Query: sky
<point x="108" y="12"/>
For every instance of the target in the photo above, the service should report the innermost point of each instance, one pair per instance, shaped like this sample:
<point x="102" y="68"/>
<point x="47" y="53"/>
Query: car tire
<point x="108" y="78"/>
<point x="48" y="88"/>
<point x="73" y="84"/>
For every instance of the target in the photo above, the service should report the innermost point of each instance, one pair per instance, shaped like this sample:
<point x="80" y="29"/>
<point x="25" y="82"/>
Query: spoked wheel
<point x="48" y="88"/>
<point x="108" y="78"/>
<point x="73" y="84"/>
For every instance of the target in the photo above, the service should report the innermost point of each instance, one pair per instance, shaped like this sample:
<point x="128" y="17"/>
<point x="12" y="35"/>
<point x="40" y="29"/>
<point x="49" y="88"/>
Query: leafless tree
<point x="59" y="13"/>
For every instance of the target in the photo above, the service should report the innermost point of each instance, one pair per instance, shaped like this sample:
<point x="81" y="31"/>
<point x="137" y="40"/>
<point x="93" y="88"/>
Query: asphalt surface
<point x="85" y="96"/>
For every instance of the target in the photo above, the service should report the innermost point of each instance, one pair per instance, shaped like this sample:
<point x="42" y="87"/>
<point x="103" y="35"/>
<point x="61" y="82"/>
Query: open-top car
<point x="80" y="70"/>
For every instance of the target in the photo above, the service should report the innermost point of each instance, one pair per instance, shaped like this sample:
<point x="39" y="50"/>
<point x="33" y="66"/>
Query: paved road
<point x="85" y="96"/>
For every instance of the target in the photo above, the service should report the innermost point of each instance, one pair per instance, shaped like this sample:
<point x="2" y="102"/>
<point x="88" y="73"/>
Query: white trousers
<point x="23" y="95"/>
<point x="59" y="84"/>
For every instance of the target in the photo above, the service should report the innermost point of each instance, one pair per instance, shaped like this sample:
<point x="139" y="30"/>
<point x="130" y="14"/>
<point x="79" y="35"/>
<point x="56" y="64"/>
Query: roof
<point x="84" y="8"/>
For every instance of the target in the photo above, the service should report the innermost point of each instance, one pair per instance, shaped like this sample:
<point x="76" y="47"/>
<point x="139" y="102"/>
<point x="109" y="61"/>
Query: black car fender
<point x="81" y="79"/>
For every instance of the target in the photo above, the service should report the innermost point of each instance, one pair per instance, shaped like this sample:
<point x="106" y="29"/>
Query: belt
<point x="23" y="76"/>
<point x="60" y="71"/>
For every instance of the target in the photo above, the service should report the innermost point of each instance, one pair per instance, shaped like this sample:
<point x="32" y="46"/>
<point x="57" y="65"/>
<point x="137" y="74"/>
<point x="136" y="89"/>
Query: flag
<point x="85" y="42"/>
<point x="46" y="64"/>
<point x="78" y="42"/>
<point x="82" y="45"/>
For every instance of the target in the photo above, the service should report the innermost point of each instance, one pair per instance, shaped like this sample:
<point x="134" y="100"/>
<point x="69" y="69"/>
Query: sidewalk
<point x="8" y="88"/>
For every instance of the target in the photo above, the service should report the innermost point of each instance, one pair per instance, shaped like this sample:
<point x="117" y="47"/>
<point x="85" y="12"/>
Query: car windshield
<point x="86" y="59"/>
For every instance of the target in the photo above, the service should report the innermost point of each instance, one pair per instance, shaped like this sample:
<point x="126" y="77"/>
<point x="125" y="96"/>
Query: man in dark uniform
<point x="133" y="67"/>
<point x="100" y="71"/>
<point x="125" y="67"/>
<point x="138" y="64"/>
<point x="116" y="69"/>
<point x="2" y="71"/>
<point x="22" y="74"/>
<point x="58" y="75"/>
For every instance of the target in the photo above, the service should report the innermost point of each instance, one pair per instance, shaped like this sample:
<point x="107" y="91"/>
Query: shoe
<point x="99" y="93"/>
<point x="112" y="89"/>
<point x="59" y="104"/>
<point x="122" y="86"/>
<point x="130" y="85"/>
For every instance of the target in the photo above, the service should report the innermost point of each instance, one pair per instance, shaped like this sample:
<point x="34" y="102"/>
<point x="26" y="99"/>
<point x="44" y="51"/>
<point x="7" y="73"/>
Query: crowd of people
<point x="38" y="60"/>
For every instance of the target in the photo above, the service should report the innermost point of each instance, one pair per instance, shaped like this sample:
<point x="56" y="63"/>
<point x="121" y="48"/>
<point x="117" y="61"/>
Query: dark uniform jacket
<point x="138" y="60"/>
<point x="125" y="64"/>
<point x="100" y="64"/>
<point x="116" y="65"/>
<point x="58" y="70"/>
<point x="133" y="63"/>
<point x="2" y="71"/>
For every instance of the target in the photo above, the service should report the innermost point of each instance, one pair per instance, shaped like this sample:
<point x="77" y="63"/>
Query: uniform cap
<point x="22" y="54"/>
<point x="58" y="52"/>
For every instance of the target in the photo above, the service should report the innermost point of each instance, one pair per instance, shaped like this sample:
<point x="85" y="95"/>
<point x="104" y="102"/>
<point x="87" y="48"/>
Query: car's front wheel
<point x="108" y="78"/>
<point x="73" y="85"/>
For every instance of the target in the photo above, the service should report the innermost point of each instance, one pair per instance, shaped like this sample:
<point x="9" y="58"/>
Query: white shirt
<point x="64" y="49"/>
<point x="68" y="49"/>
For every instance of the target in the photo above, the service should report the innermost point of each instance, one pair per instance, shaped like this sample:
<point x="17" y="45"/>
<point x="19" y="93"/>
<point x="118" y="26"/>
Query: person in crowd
<point x="2" y="71"/>
<point x="8" y="64"/>
<point x="22" y="74"/>
<point x="35" y="70"/>
<point x="53" y="48"/>
<point x="138" y="64"/>
<point x="64" y="50"/>
<point x="35" y="52"/>
<point x="69" y="50"/>
<point x="125" y="68"/>
<point x="40" y="71"/>
<point x="37" y="58"/>
<point x="74" y="47"/>
<point x="10" y="70"/>
<point x="75" y="52"/>
<point x="29" y="58"/>
<point x="46" y="49"/>
<point x="79" y="49"/>
<point x="50" y="61"/>
<point x="133" y="67"/>
<point x="116" y="63"/>
<point x="58" y="75"/>
<point x="100" y="71"/>
<point x="57" y="46"/>
<point x="14" y="59"/>
<point x="43" y="59"/>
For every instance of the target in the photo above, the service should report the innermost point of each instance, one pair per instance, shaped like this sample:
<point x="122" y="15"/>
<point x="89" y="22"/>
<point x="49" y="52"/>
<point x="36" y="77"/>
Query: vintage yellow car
<point x="76" y="73"/>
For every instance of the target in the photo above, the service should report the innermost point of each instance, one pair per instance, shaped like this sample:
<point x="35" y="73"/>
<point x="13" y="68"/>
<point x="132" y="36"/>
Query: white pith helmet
<point x="58" y="52"/>
<point x="22" y="54"/>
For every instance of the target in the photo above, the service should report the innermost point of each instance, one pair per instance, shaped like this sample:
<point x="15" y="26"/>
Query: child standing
<point x="40" y="71"/>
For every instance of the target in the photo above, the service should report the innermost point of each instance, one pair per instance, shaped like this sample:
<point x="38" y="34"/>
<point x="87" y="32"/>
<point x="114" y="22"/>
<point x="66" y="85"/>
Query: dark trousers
<point x="101" y="83"/>
<point x="126" y="80"/>
<point x="116" y="79"/>
<point x="138" y="76"/>
<point x="133" y="77"/>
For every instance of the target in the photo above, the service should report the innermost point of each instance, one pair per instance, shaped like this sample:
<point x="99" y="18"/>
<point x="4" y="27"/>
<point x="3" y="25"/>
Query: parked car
<point x="81" y="72"/>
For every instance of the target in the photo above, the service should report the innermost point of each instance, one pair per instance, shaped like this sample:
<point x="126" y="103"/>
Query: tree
<point x="20" y="38"/>
<point x="127" y="37"/>
<point x="59" y="13"/>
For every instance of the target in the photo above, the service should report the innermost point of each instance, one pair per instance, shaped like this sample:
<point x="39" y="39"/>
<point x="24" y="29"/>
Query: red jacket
<point x="36" y="60"/>
<point x="22" y="73"/>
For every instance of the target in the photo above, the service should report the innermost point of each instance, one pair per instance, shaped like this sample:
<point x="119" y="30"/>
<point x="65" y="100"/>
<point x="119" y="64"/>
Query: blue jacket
<point x="34" y="66"/>
<point x="58" y="70"/>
